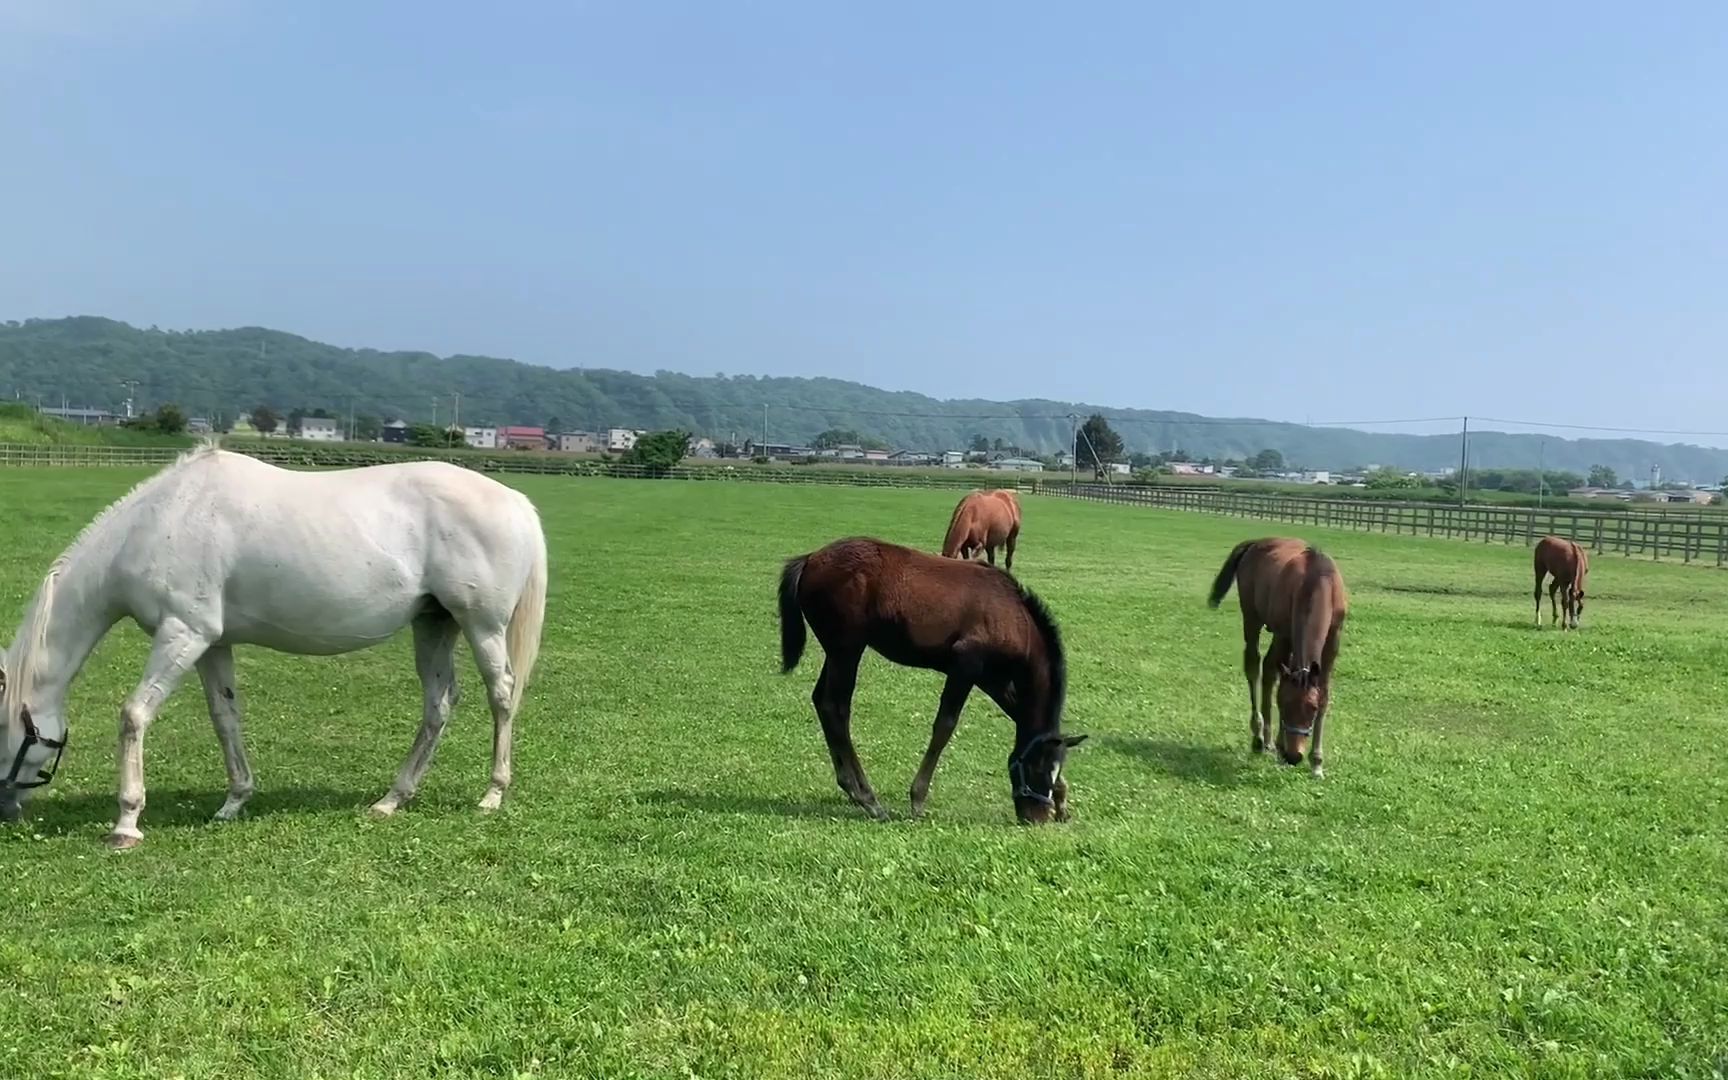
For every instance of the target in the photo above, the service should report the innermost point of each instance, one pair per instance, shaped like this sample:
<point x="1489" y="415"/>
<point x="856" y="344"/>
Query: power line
<point x="1589" y="427"/>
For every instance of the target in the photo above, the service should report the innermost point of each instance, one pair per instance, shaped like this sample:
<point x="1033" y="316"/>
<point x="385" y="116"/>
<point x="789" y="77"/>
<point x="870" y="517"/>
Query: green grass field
<point x="1516" y="865"/>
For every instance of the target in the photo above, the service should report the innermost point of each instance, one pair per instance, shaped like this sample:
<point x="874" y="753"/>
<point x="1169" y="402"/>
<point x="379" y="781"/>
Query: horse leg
<point x="216" y="671"/>
<point x="1554" y="609"/>
<point x="947" y="716"/>
<point x="1328" y="655"/>
<point x="1013" y="535"/>
<point x="1268" y="693"/>
<point x="1250" y="668"/>
<point x="492" y="655"/>
<point x="1538" y="598"/>
<point x="839" y="679"/>
<point x="434" y="658"/>
<point x="175" y="650"/>
<point x="990" y="552"/>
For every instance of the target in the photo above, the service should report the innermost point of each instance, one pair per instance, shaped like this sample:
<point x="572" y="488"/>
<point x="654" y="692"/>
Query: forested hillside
<point x="90" y="361"/>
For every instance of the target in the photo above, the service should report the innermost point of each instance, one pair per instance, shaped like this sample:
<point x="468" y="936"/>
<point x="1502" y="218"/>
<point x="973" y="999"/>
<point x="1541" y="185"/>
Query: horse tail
<point x="522" y="636"/>
<point x="958" y="527"/>
<point x="791" y="615"/>
<point x="1227" y="575"/>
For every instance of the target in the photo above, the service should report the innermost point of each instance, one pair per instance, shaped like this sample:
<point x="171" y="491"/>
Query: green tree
<point x="1099" y="444"/>
<point x="296" y="421"/>
<point x="1267" y="461"/>
<point x="170" y="420"/>
<point x="980" y="445"/>
<point x="367" y="427"/>
<point x="554" y="424"/>
<point x="264" y="419"/>
<point x="427" y="435"/>
<point x="833" y="437"/>
<point x="1603" y="477"/>
<point x="659" y="449"/>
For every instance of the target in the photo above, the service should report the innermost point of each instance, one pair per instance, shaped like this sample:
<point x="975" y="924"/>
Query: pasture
<point x="1516" y="864"/>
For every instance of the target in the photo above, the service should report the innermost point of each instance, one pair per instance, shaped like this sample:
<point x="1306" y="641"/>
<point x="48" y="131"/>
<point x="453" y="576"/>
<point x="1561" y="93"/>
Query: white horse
<point x="220" y="549"/>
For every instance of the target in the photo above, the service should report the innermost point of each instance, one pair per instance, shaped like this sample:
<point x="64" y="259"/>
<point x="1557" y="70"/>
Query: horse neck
<point x="1313" y="619"/>
<point x="67" y="618"/>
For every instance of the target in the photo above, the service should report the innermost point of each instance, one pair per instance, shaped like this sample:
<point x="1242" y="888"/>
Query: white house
<point x="954" y="459"/>
<point x="620" y="439"/>
<point x="1017" y="464"/>
<point x="577" y="442"/>
<point x="319" y="429"/>
<point x="481" y="438"/>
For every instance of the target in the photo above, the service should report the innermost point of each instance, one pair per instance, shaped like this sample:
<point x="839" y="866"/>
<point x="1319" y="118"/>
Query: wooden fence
<point x="341" y="456"/>
<point x="1697" y="536"/>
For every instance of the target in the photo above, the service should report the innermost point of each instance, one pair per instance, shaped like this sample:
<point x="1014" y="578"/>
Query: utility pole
<point x="434" y="410"/>
<point x="1463" y="462"/>
<point x="131" y="386"/>
<point x="764" y="452"/>
<point x="1541" y="476"/>
<point x="1074" y="452"/>
<point x="455" y="414"/>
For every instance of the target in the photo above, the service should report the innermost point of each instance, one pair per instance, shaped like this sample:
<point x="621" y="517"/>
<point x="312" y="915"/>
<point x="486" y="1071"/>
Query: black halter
<point x="32" y="737"/>
<point x="1017" y="772"/>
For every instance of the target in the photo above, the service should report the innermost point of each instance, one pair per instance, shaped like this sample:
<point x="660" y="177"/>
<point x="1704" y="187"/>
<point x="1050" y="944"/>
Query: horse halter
<point x="1017" y="772"/>
<point x="32" y="737"/>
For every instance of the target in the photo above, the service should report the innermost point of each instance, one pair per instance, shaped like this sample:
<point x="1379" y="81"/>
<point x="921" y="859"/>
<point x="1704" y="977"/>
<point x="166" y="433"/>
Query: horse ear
<point x="1073" y="741"/>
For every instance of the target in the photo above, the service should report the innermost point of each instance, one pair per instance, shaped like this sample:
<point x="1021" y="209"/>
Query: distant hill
<point x="85" y="361"/>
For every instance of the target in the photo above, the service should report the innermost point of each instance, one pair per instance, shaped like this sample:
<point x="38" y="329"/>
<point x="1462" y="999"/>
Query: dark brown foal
<point x="971" y="622"/>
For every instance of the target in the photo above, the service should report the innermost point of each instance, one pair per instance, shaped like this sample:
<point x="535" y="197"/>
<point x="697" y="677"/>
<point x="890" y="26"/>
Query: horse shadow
<point x="179" y="808"/>
<point x="1193" y="762"/>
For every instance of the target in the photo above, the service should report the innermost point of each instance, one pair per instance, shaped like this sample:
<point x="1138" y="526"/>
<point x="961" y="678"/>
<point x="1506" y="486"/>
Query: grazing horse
<point x="220" y="549"/>
<point x="973" y="623"/>
<point x="1569" y="565"/>
<point x="984" y="521"/>
<point x="1295" y="591"/>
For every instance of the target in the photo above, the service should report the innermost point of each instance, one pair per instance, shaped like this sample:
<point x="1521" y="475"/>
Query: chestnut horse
<point x="1295" y="591"/>
<point x="984" y="521"/>
<point x="1569" y="566"/>
<point x="973" y="623"/>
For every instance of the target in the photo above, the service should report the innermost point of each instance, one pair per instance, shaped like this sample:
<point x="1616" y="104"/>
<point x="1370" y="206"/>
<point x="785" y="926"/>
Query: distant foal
<point x="1569" y="565"/>
<point x="970" y="622"/>
<point x="1295" y="591"/>
<point x="984" y="521"/>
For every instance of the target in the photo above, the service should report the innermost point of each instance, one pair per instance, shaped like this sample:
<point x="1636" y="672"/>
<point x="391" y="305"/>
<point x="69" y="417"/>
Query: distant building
<point x="199" y="425"/>
<point x="1118" y="468"/>
<point x="522" y="438"/>
<point x="620" y="439"/>
<point x="1188" y="468"/>
<point x="1064" y="459"/>
<point x="913" y="457"/>
<point x="704" y="448"/>
<point x="1017" y="464"/>
<point x="954" y="459"/>
<point x="578" y="442"/>
<point x="480" y="438"/>
<point x="319" y="429"/>
<point x="1316" y="476"/>
<point x="396" y="431"/>
<point x="91" y="417"/>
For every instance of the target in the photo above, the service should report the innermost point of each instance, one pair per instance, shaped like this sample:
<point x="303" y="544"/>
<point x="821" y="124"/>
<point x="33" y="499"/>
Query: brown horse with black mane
<point x="1569" y="565"/>
<point x="1295" y="591"/>
<point x="973" y="623"/>
<point x="984" y="521"/>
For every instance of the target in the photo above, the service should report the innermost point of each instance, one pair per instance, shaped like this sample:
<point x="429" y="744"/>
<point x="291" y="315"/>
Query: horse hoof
<point x="383" y="808"/>
<point x="491" y="801"/>
<point x="1319" y="773"/>
<point x="119" y="841"/>
<point x="876" y="812"/>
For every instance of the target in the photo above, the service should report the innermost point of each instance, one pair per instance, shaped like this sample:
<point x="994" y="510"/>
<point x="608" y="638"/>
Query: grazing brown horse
<point x="984" y="521"/>
<point x="1296" y="592"/>
<point x="1569" y="565"/>
<point x="973" y="623"/>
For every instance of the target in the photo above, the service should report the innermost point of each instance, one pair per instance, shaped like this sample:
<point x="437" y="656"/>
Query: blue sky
<point x="1327" y="212"/>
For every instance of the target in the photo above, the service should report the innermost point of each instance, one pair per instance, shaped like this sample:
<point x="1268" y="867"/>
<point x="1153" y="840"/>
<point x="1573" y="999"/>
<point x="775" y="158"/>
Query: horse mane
<point x="1046" y="625"/>
<point x="31" y="642"/>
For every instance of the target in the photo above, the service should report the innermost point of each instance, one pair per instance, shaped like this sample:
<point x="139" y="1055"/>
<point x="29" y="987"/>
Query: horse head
<point x="1301" y="696"/>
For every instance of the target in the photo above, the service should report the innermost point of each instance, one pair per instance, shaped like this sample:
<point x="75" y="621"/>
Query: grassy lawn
<point x="1516" y="865"/>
